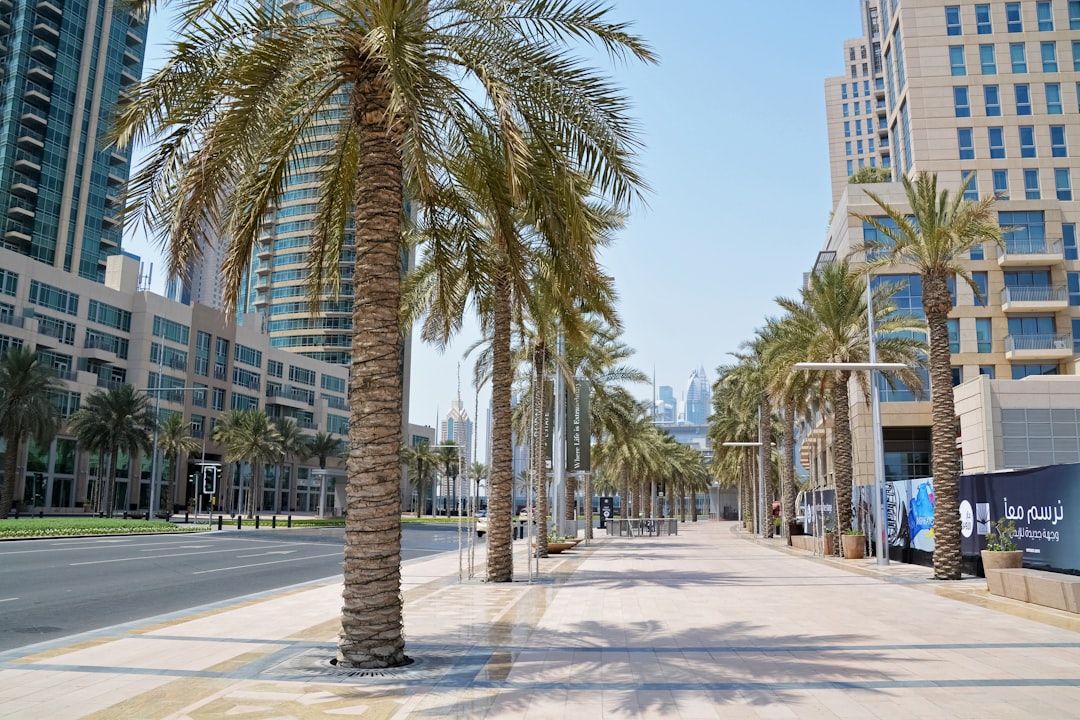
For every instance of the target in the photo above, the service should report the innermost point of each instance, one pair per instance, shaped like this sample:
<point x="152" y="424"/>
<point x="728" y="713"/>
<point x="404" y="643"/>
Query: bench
<point x="1040" y="587"/>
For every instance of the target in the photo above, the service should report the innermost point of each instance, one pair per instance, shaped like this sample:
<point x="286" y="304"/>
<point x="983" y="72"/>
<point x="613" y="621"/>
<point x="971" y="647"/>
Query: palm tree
<point x="829" y="323"/>
<point x="174" y="440"/>
<point x="250" y="436"/>
<point x="294" y="444"/>
<point x="239" y="103"/>
<point x="422" y="462"/>
<point x="941" y="227"/>
<point x="114" y="420"/>
<point x="478" y="471"/>
<point x="448" y="457"/>
<point x="324" y="446"/>
<point x="26" y="411"/>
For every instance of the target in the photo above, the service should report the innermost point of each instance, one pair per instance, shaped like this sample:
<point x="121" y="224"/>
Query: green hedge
<point x="60" y="527"/>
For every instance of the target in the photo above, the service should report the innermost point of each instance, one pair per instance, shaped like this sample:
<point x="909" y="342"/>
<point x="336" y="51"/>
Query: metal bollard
<point x="238" y="521"/>
<point x="219" y="518"/>
<point x="41" y="513"/>
<point x="289" y="522"/>
<point x="186" y="518"/>
<point x="125" y="515"/>
<point x="256" y="522"/>
<point x="273" y="522"/>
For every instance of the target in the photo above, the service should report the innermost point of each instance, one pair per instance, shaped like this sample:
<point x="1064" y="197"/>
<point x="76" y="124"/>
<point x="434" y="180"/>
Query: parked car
<point x="481" y="523"/>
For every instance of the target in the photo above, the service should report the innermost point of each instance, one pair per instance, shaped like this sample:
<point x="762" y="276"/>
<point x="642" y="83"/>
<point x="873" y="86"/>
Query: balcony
<point x="108" y="383"/>
<point x="288" y="397"/>
<point x="17" y="237"/>
<point x="24" y="186"/>
<point x="127" y="79"/>
<point x="27" y="163"/>
<point x="43" y="52"/>
<point x="219" y="372"/>
<point x="261" y="300"/>
<point x="100" y="349"/>
<point x="1038" y="347"/>
<point x="108" y="241"/>
<point x="20" y="209"/>
<point x="67" y="375"/>
<point x="265" y="252"/>
<point x="34" y="116"/>
<point x="39" y="73"/>
<point x="12" y="320"/>
<point x="47" y="29"/>
<point x="31" y="139"/>
<point x="1028" y="299"/>
<point x="1031" y="252"/>
<point x="115" y="179"/>
<point x="45" y="7"/>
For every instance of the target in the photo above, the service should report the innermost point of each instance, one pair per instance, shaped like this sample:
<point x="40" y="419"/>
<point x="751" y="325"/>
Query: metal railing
<point x="638" y="527"/>
<point x="1038" y="342"/>
<point x="1032" y="246"/>
<point x="1037" y="293"/>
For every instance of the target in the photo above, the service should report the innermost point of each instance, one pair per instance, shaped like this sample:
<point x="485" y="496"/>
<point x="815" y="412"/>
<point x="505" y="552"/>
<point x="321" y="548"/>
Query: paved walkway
<point x="706" y="624"/>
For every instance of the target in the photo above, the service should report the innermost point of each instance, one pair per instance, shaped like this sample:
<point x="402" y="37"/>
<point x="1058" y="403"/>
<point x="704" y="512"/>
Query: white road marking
<point x="7" y="599"/>
<point x="272" y="562"/>
<point x="272" y="552"/>
<point x="155" y="557"/>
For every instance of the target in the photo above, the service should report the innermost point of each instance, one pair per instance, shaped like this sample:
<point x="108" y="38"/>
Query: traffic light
<point x="210" y="477"/>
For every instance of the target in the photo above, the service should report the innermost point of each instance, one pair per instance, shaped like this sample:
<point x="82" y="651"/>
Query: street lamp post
<point x="879" y="456"/>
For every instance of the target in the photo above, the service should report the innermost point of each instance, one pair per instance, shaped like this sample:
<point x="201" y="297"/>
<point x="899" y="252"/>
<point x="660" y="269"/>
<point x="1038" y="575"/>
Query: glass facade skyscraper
<point x="64" y="65"/>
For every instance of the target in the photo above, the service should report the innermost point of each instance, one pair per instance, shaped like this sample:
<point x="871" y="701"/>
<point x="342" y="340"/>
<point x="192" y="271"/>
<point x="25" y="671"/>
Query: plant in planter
<point x="853" y="543"/>
<point x="1001" y="551"/>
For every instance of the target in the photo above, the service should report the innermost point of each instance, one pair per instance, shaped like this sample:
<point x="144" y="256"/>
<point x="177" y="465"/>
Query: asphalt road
<point x="59" y="587"/>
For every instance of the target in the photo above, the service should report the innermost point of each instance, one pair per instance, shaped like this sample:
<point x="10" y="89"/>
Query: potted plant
<point x="1001" y="551"/>
<point x="853" y="543"/>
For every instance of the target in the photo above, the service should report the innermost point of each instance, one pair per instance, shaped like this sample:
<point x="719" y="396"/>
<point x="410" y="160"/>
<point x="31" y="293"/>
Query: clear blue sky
<point x="733" y="118"/>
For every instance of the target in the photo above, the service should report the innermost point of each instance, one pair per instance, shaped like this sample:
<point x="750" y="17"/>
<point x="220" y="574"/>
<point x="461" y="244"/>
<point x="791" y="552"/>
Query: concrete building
<point x="698" y="402"/>
<point x="98" y="335"/>
<point x="988" y="89"/>
<point x="63" y="67"/>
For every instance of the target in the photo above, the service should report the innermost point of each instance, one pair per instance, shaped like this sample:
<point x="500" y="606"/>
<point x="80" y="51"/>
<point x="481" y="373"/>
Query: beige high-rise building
<point x="988" y="89"/>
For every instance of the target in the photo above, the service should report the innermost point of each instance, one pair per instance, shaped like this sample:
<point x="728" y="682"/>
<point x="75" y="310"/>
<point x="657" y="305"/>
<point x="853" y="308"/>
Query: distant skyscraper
<point x="666" y="405"/>
<point x="63" y="67"/>
<point x="456" y="427"/>
<point x="698" y="398"/>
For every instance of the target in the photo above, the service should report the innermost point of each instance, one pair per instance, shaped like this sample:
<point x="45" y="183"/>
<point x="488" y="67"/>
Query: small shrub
<point x="1000" y="537"/>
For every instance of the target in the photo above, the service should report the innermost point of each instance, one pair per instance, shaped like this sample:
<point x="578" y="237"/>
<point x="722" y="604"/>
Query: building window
<point x="1044" y="16"/>
<point x="952" y="20"/>
<point x="1031" y="184"/>
<point x="1018" y="57"/>
<point x="971" y="190"/>
<point x="217" y="399"/>
<point x="987" y="370"/>
<point x="847" y="128"/>
<point x="301" y="375"/>
<point x="1073" y="280"/>
<point x="110" y="315"/>
<point x="996" y="136"/>
<point x="993" y="100"/>
<point x="1053" y="99"/>
<point x="54" y="298"/>
<point x="1013" y="22"/>
<point x="1057" y="141"/>
<point x="1023" y="99"/>
<point x="1049" y="56"/>
<point x="987" y="60"/>
<point x="1019" y="372"/>
<point x="1027" y="141"/>
<point x="954" y="335"/>
<point x="1076" y="54"/>
<point x="843" y="91"/>
<point x="858" y="127"/>
<point x="1068" y="238"/>
<point x="844" y="110"/>
<point x="1001" y="184"/>
<point x="981" y="284"/>
<point x="1074" y="14"/>
<point x="983" y="338"/>
<point x="1063" y="184"/>
<point x="847" y="147"/>
<point x="977" y="253"/>
<point x="850" y="168"/>
<point x="859" y="147"/>
<point x="956" y="60"/>
<point x="248" y="356"/>
<point x="171" y="331"/>
<point x="275" y="368"/>
<point x="960" y="101"/>
<point x="982" y="20"/>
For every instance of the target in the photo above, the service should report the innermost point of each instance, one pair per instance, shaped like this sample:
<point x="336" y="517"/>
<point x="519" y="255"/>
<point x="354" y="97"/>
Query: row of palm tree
<point x="121" y="420"/>
<point x="829" y="322"/>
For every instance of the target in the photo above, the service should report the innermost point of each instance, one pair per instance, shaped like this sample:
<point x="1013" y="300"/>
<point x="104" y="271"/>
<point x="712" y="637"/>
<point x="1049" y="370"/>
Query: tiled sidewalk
<point x="706" y="624"/>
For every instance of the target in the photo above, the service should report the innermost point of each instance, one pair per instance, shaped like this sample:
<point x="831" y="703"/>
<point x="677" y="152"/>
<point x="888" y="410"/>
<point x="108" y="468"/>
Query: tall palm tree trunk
<point x="937" y="302"/>
<point x="787" y="503"/>
<point x="540" y="442"/>
<point x="11" y="472"/>
<point x="500" y="566"/>
<point x="842" y="455"/>
<point x="110" y="485"/>
<point x="371" y="615"/>
<point x="765" y="463"/>
<point x="624" y="495"/>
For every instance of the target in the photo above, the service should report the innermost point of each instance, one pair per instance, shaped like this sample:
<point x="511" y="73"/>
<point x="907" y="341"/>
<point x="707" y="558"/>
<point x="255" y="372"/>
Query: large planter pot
<point x="558" y="547"/>
<point x="854" y="546"/>
<point x="829" y="543"/>
<point x="1001" y="560"/>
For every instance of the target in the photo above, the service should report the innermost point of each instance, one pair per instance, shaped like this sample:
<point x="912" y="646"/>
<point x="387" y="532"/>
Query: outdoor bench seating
<point x="1041" y="587"/>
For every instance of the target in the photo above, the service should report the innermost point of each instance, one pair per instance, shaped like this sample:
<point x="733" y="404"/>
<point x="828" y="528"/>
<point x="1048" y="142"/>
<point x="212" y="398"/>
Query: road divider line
<point x="7" y="599"/>
<point x="271" y="562"/>
<point x="155" y="557"/>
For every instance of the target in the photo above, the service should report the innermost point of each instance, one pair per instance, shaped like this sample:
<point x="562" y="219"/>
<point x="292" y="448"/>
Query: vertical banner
<point x="578" y="428"/>
<point x="549" y="423"/>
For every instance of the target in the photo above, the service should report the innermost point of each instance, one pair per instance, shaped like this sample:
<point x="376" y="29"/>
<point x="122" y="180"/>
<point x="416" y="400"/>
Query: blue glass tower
<point x="64" y="65"/>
